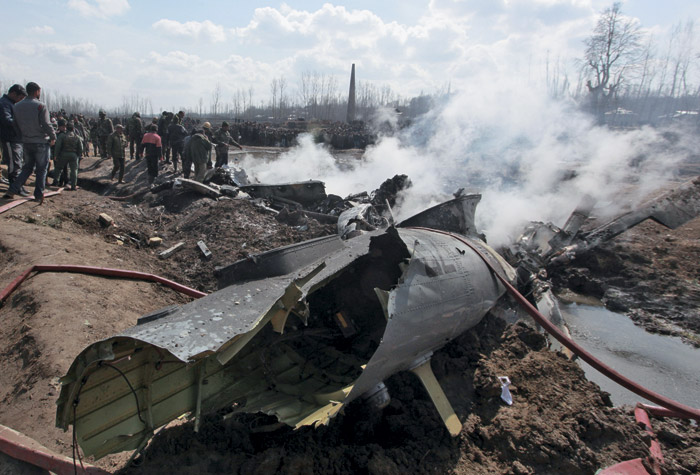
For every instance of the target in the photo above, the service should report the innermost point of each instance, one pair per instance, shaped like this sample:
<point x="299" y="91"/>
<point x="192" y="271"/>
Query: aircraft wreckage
<point x="301" y="331"/>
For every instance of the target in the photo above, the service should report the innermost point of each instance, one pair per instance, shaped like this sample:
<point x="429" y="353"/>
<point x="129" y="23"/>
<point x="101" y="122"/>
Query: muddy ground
<point x="559" y="422"/>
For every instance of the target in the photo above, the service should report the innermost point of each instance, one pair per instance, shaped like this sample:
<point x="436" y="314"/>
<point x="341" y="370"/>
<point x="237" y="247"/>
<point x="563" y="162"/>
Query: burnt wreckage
<point x="301" y="331"/>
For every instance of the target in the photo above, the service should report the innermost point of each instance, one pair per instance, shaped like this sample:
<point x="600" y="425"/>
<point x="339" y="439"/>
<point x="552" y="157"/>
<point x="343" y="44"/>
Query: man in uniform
<point x="104" y="130"/>
<point x="134" y="130"/>
<point x="9" y="134"/>
<point x="69" y="148"/>
<point x="116" y="149"/>
<point x="197" y="151"/>
<point x="222" y="139"/>
<point x="176" y="139"/>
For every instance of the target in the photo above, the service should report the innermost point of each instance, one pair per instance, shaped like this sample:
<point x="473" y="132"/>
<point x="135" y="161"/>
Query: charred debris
<point x="301" y="331"/>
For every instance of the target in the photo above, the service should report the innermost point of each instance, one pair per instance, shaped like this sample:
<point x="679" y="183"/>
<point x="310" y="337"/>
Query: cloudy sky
<point x="175" y="52"/>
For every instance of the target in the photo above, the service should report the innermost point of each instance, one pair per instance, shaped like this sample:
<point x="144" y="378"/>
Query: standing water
<point x="662" y="364"/>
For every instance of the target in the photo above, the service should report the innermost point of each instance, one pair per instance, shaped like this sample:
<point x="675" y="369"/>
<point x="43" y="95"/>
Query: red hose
<point x="677" y="408"/>
<point x="126" y="274"/>
<point x="13" y="203"/>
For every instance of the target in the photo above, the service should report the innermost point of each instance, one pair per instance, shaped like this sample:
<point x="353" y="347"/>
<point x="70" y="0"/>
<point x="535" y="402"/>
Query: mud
<point x="559" y="422"/>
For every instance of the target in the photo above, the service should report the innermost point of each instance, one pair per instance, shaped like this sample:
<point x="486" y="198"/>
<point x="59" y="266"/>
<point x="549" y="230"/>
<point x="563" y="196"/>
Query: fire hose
<point x="669" y="406"/>
<point x="103" y="271"/>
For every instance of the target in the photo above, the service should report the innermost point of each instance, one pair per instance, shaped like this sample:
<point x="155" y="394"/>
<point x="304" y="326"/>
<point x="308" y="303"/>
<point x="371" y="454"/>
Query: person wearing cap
<point x="116" y="149"/>
<point x="153" y="146"/>
<point x="134" y="130"/>
<point x="222" y="139"/>
<point x="105" y="128"/>
<point x="10" y="136"/>
<point x="198" y="150"/>
<point x="68" y="150"/>
<point x="38" y="137"/>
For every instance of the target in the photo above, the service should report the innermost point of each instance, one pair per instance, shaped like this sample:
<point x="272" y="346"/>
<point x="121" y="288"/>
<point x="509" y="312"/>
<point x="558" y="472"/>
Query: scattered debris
<point x="105" y="220"/>
<point x="204" y="249"/>
<point x="171" y="250"/>
<point x="198" y="187"/>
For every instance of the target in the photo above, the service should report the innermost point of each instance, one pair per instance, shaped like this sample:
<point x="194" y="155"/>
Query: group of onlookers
<point x="30" y="136"/>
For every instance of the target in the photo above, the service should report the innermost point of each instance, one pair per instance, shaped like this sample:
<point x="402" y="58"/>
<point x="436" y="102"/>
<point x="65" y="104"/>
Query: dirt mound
<point x="559" y="423"/>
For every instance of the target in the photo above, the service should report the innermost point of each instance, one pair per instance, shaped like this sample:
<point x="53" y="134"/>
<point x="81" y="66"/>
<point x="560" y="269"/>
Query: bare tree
<point x="216" y="99"/>
<point x="611" y="51"/>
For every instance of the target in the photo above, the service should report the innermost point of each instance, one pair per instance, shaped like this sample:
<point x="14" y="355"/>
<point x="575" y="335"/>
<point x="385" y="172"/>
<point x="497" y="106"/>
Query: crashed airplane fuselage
<point x="297" y="332"/>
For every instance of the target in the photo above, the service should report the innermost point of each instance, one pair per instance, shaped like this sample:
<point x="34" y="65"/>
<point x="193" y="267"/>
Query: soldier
<point x="209" y="134"/>
<point x="222" y="139"/>
<point x="153" y="145"/>
<point x="176" y="139"/>
<point x="134" y="130"/>
<point x="197" y="151"/>
<point x="69" y="148"/>
<point x="163" y="124"/>
<point x="59" y="177"/>
<point x="116" y="148"/>
<point x="104" y="130"/>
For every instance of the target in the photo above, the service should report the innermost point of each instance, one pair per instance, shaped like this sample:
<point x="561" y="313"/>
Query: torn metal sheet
<point x="297" y="333"/>
<point x="456" y="215"/>
<point x="305" y="193"/>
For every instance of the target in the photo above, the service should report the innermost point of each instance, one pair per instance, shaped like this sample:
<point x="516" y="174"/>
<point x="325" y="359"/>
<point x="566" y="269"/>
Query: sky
<point x="176" y="52"/>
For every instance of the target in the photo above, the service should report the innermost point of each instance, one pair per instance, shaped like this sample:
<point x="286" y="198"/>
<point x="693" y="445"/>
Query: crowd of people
<point x="31" y="137"/>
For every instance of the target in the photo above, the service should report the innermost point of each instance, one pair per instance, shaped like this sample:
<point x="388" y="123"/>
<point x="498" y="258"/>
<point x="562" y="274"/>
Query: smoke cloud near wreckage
<point x="530" y="156"/>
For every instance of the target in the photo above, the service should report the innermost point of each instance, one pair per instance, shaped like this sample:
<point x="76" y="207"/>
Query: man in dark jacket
<point x="38" y="137"/>
<point x="9" y="134"/>
<point x="134" y="131"/>
<point x="176" y="139"/>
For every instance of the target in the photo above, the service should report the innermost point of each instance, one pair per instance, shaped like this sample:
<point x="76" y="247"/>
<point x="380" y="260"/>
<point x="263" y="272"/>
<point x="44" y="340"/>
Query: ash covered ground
<point x="559" y="422"/>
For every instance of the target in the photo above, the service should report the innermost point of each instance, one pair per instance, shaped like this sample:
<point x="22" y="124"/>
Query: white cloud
<point x="42" y="30"/>
<point x="99" y="8"/>
<point x="58" y="52"/>
<point x="191" y="29"/>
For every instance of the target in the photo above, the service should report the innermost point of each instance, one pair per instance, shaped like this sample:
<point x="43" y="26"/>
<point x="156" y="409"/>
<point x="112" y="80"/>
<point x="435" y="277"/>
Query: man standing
<point x="222" y="139"/>
<point x="176" y="139"/>
<point x="104" y="130"/>
<point x="153" y="145"/>
<point x="38" y="137"/>
<point x="163" y="124"/>
<point x="197" y="151"/>
<point x="134" y="130"/>
<point x="69" y="148"/>
<point x="9" y="134"/>
<point x="116" y="149"/>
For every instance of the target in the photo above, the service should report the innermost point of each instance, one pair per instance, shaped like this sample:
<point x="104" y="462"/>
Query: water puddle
<point x="663" y="364"/>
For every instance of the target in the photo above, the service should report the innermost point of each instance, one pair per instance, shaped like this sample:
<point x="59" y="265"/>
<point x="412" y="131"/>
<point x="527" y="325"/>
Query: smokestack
<point x="351" y="96"/>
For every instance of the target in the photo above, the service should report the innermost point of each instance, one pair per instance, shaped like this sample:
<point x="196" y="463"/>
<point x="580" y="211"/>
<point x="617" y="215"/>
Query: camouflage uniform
<point x="197" y="152"/>
<point x="134" y="130"/>
<point x="104" y="129"/>
<point x="116" y="148"/>
<point x="68" y="149"/>
<point x="222" y="139"/>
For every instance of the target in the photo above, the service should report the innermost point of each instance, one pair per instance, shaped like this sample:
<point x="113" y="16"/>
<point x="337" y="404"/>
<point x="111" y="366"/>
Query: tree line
<point x="623" y="71"/>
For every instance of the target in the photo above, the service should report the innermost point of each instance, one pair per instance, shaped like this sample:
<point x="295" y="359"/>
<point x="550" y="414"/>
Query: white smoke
<point x="531" y="158"/>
